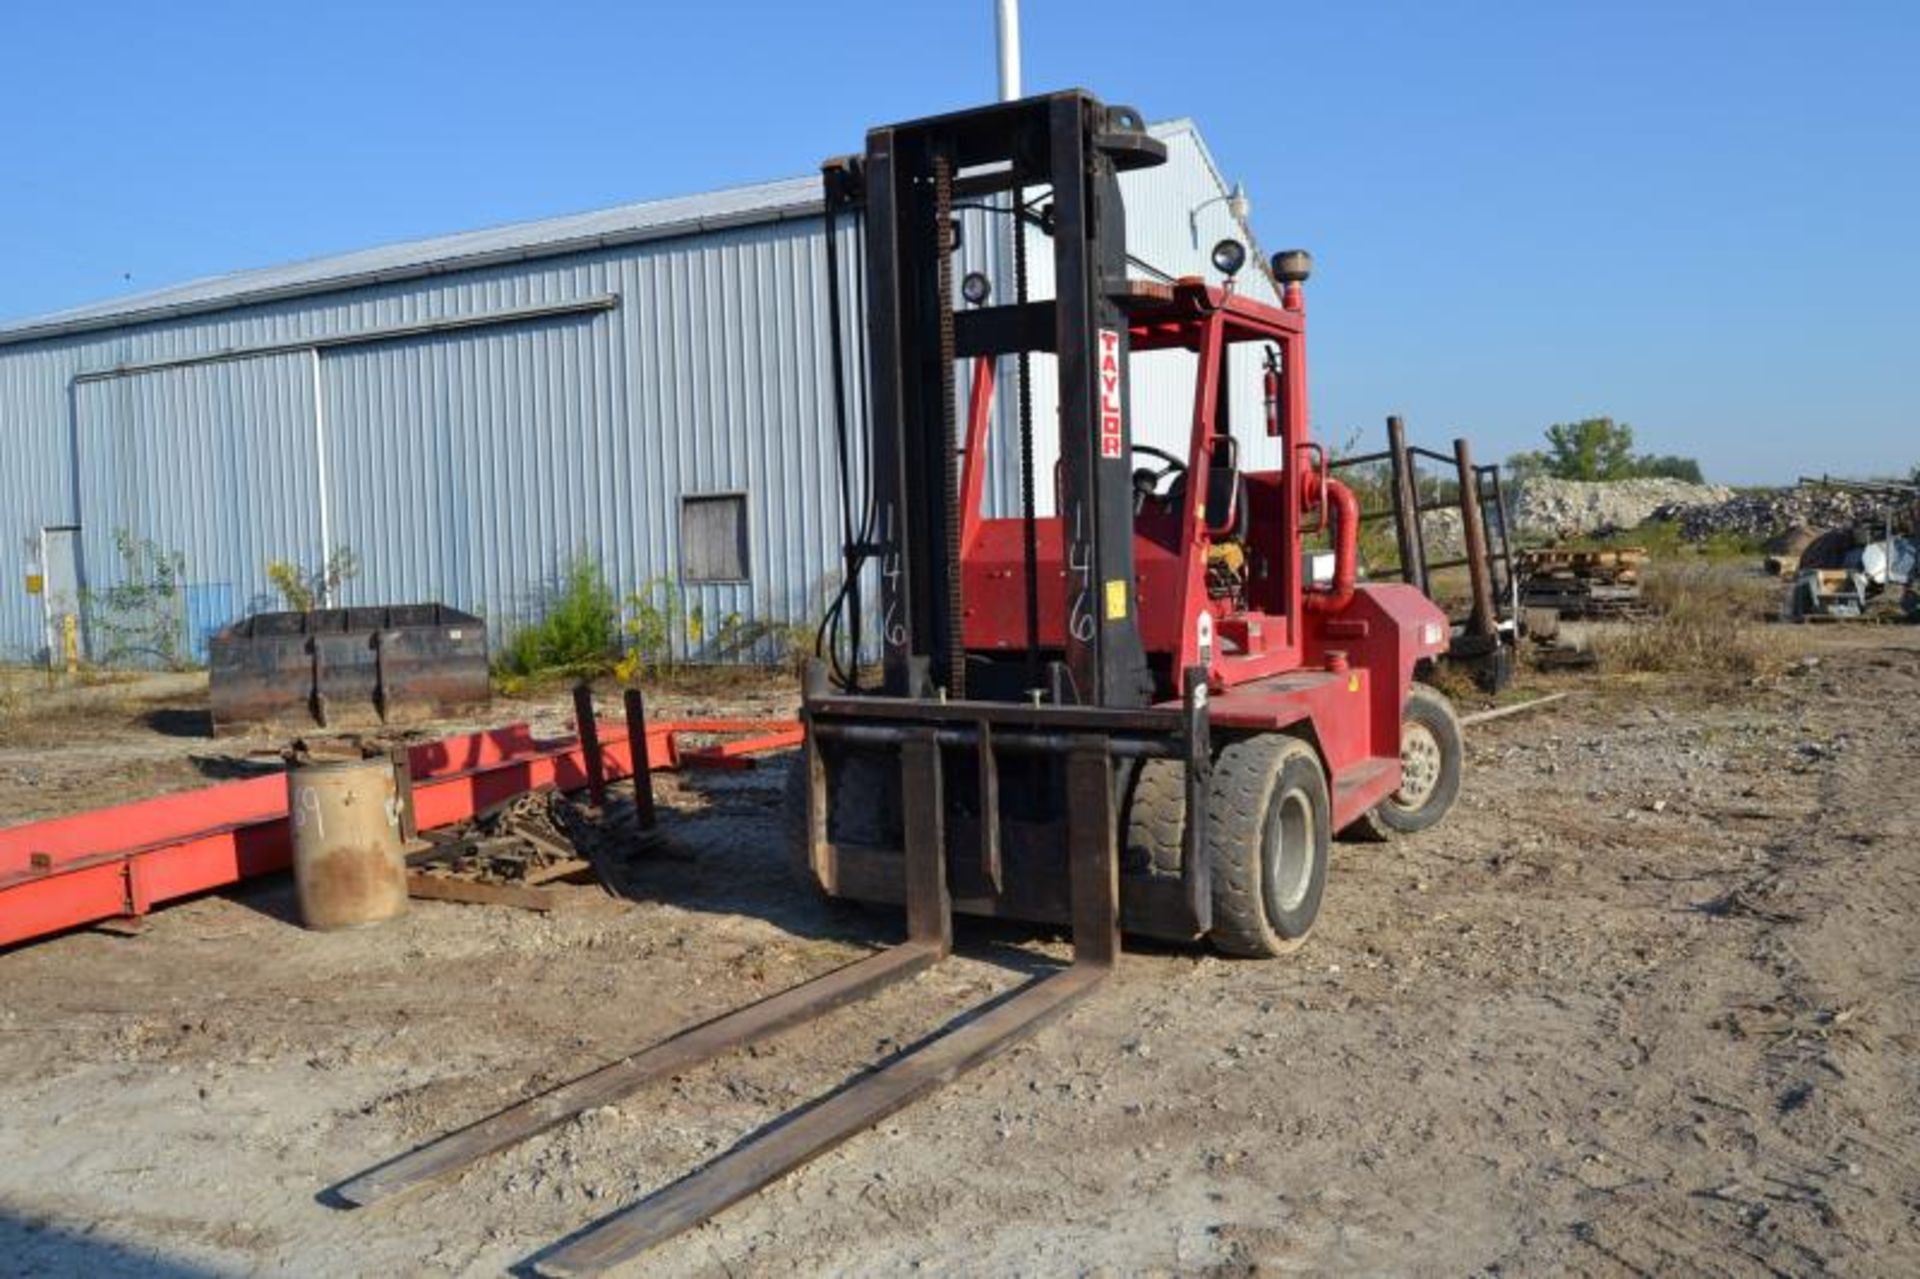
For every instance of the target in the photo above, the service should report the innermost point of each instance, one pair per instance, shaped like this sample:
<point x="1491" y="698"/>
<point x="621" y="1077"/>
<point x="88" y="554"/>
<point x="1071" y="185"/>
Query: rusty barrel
<point x="348" y="864"/>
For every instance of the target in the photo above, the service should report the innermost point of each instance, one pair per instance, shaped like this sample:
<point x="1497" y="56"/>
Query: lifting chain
<point x="944" y="238"/>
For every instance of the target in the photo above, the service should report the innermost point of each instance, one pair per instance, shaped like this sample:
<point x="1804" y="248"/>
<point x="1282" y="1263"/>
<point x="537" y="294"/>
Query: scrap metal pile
<point x="504" y="855"/>
<point x="1869" y="566"/>
<point x="1878" y="581"/>
<point x="1772" y="512"/>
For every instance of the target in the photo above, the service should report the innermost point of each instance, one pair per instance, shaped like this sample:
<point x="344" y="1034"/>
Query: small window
<point x="713" y="538"/>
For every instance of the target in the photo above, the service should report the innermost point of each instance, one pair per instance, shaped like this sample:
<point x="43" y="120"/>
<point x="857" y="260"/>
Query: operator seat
<point x="1226" y="487"/>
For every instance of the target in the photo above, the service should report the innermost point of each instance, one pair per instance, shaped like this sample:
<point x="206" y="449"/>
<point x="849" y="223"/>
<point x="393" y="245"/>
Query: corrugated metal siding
<point x="214" y="461"/>
<point x="468" y="466"/>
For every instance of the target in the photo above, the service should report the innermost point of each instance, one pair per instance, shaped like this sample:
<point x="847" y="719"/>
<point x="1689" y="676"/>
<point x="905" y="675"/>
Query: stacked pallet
<point x="1582" y="583"/>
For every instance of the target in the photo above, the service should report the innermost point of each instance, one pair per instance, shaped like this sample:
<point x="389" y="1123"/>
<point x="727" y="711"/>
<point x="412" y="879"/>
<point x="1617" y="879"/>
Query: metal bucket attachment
<point x="347" y="668"/>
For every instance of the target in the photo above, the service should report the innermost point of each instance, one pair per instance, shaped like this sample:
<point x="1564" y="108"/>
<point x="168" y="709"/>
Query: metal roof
<point x="411" y="259"/>
<point x="649" y="219"/>
<point x="623" y="224"/>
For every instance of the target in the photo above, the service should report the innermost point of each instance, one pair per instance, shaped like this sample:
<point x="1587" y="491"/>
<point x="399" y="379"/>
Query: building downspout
<point x="320" y="477"/>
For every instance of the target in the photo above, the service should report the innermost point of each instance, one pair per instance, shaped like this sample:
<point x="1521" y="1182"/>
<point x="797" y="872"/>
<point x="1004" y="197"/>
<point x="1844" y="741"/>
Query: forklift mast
<point x="909" y="182"/>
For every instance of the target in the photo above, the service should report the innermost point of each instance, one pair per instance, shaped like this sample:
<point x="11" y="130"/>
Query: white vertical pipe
<point x="1009" y="11"/>
<point x="320" y="475"/>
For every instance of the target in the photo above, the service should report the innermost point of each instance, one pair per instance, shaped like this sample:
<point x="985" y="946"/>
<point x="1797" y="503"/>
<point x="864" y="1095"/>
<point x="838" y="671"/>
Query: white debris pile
<point x="1551" y="509"/>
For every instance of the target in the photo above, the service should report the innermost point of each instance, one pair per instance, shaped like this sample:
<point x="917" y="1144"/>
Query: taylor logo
<point x="1111" y="434"/>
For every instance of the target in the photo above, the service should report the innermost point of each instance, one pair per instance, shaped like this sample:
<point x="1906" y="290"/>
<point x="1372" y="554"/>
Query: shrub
<point x="786" y="644"/>
<point x="654" y="613"/>
<point x="142" y="619"/>
<point x="304" y="589"/>
<point x="578" y="632"/>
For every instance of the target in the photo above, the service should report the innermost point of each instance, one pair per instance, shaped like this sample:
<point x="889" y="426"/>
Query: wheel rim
<point x="1419" y="765"/>
<point x="1293" y="859"/>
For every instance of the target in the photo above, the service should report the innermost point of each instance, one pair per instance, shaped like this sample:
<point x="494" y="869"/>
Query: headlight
<point x="1229" y="256"/>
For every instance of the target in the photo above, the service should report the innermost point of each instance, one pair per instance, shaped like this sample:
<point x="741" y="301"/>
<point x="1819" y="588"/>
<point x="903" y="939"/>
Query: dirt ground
<point x="1646" y="1003"/>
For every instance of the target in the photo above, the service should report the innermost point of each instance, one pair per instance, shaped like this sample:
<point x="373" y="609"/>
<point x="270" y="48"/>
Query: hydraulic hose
<point x="1346" y="543"/>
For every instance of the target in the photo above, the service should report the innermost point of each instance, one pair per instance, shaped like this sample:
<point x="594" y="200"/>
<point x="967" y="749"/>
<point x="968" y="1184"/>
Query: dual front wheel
<point x="1270" y="828"/>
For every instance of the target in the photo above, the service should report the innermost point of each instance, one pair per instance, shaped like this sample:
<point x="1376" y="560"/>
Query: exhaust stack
<point x="1009" y="24"/>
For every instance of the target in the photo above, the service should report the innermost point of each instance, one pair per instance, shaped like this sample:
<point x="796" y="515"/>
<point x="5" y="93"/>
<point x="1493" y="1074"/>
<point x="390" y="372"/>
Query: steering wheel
<point x="1146" y="480"/>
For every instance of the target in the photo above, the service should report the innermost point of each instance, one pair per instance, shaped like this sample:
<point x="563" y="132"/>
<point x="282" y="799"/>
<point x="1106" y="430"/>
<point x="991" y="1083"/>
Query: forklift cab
<point x="1214" y="587"/>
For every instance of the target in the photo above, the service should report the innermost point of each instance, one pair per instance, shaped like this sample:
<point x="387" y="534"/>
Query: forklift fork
<point x="971" y="1038"/>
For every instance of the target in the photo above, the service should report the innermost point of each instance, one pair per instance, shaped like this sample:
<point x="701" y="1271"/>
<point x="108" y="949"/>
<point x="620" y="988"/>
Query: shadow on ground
<point x="179" y="721"/>
<point x="729" y="857"/>
<point x="31" y="1245"/>
<point x="228" y="768"/>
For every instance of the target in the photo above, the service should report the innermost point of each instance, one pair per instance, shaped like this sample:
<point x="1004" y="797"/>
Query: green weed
<point x="578" y="632"/>
<point x="141" y="619"/>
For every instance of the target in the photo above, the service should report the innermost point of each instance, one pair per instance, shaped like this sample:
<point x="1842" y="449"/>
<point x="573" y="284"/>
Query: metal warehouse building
<point x="648" y="385"/>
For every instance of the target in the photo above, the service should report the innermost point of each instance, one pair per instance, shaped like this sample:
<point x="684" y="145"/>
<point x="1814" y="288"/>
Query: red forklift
<point x="1142" y="709"/>
<point x="1162" y="624"/>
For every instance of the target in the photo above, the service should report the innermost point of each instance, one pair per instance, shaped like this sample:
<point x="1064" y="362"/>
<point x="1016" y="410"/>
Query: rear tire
<point x="1268" y="832"/>
<point x="794" y="821"/>
<point x="1432" y="760"/>
<point x="1156" y="812"/>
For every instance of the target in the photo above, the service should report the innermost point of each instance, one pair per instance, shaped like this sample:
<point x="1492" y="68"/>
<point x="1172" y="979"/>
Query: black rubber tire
<point x="1269" y="829"/>
<point x="1427" y="711"/>
<point x="1156" y="816"/>
<point x="793" y="819"/>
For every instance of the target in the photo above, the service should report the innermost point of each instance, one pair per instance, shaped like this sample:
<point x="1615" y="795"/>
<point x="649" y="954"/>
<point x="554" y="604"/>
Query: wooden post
<point x="646" y="815"/>
<point x="590" y="743"/>
<point x="402" y="760"/>
<point x="1485" y="622"/>
<point x="1406" y="508"/>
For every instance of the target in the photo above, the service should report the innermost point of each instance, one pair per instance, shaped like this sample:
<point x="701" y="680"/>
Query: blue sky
<point x="1701" y="218"/>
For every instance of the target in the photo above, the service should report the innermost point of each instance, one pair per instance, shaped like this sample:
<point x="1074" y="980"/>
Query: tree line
<point x="1599" y="448"/>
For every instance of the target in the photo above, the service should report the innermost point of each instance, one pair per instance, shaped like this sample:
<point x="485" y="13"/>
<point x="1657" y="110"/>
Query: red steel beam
<point x="738" y="752"/>
<point x="125" y="859"/>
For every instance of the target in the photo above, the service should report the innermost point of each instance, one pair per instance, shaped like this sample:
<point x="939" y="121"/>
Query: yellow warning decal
<point x="1116" y="599"/>
<point x="1353" y="682"/>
